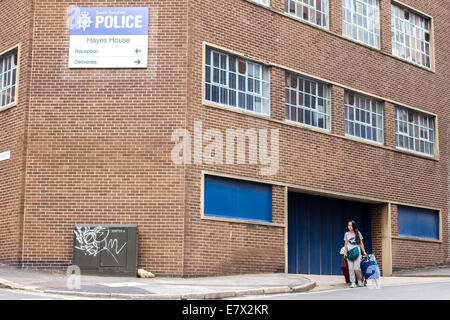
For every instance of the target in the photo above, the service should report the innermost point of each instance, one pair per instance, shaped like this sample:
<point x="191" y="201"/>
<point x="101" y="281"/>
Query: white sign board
<point x="108" y="37"/>
<point x="5" y="155"/>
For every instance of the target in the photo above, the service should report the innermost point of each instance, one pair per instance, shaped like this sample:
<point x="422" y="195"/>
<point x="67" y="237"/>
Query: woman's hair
<point x="355" y="230"/>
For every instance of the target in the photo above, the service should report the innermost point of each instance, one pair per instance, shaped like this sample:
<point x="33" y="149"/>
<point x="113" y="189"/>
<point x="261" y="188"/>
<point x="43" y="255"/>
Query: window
<point x="414" y="131"/>
<point x="237" y="199"/>
<point x="418" y="222"/>
<point x="307" y="101"/>
<point x="314" y="11"/>
<point x="263" y="2"/>
<point x="363" y="117"/>
<point x="361" y="21"/>
<point x="8" y="78"/>
<point x="410" y="36"/>
<point x="236" y="82"/>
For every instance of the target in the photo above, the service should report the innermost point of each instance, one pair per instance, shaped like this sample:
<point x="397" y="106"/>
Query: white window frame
<point x="425" y="123"/>
<point x="260" y="100"/>
<point x="311" y="6"/>
<point x="9" y="73"/>
<point x="301" y="106"/>
<point x="378" y="116"/>
<point x="408" y="37"/>
<point x="373" y="26"/>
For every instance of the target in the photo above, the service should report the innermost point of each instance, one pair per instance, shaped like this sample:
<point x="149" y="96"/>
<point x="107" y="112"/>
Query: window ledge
<point x="9" y="106"/>
<point x="306" y="126"/>
<point x="371" y="142"/>
<point x="235" y="109"/>
<point x="410" y="63"/>
<point x="306" y="22"/>
<point x="417" y="154"/>
<point x="416" y="239"/>
<point x="359" y="42"/>
<point x="261" y="223"/>
<point x="259" y="4"/>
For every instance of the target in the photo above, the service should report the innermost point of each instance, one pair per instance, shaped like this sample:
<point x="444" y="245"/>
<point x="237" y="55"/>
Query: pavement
<point x="172" y="288"/>
<point x="166" y="288"/>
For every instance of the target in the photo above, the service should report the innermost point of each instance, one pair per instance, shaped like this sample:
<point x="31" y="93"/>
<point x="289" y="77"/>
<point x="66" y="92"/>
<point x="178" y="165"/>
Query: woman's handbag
<point x="353" y="254"/>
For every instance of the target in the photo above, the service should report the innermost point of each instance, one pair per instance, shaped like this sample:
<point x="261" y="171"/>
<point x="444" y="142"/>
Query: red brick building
<point x="356" y="93"/>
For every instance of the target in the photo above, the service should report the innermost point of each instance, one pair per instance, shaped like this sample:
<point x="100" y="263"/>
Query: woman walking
<point x="352" y="252"/>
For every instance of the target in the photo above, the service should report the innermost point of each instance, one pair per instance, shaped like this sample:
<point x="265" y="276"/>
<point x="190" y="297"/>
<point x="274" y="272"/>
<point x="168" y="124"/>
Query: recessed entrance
<point x="316" y="227"/>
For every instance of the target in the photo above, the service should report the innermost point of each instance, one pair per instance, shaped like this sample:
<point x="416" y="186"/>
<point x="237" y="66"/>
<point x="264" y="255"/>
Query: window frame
<point x="402" y="45"/>
<point x="264" y="83"/>
<point x="7" y="53"/>
<point x="417" y="237"/>
<point x="354" y="15"/>
<point x="406" y="135"/>
<point x="327" y="114"/>
<point x="302" y="4"/>
<point x="359" y="122"/>
<point x="230" y="218"/>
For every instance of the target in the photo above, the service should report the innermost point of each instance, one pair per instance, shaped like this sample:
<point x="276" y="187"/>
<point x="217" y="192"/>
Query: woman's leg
<point x="351" y="271"/>
<point x="357" y="267"/>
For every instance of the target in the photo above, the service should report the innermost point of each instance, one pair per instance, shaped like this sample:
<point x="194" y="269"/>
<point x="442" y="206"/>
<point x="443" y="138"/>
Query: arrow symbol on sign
<point x="138" y="50"/>
<point x="137" y="61"/>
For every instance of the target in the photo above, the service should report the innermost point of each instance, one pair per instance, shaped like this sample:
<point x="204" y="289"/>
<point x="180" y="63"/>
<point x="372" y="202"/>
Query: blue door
<point x="316" y="227"/>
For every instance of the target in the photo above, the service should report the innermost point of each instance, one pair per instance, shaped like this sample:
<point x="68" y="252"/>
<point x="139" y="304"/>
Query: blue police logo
<point x="84" y="21"/>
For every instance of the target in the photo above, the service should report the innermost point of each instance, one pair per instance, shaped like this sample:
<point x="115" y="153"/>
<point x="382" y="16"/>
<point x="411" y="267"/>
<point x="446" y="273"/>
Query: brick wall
<point x="376" y="222"/>
<point x="15" y="30"/>
<point x="309" y="158"/>
<point x="98" y="142"/>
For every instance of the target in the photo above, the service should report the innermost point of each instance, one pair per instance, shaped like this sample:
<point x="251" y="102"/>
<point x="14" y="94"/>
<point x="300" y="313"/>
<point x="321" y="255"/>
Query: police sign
<point x="108" y="37"/>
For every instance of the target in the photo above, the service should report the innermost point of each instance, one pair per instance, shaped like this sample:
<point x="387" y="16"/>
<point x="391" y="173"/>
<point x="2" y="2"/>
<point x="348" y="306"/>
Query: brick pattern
<point x="385" y="26"/>
<point x="16" y="29"/>
<point x="309" y="158"/>
<point x="337" y="110"/>
<point x="389" y="124"/>
<point x="335" y="16"/>
<point x="376" y="222"/>
<point x="98" y="142"/>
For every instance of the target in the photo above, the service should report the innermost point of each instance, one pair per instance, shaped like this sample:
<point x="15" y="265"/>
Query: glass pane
<point x="208" y="74"/>
<point x="215" y="93"/>
<point x="207" y="57"/>
<point x="232" y="78"/>
<point x="216" y="75"/>
<point x="232" y="98"/>
<point x="208" y="92"/>
<point x="266" y="74"/>
<point x="241" y="84"/>
<point x="223" y="96"/>
<point x="314" y="119"/>
<point x="307" y="117"/>
<point x="232" y="64"/>
<point x="216" y="59"/>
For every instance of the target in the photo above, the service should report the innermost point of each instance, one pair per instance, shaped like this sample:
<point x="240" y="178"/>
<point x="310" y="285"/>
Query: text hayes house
<point x="234" y="136"/>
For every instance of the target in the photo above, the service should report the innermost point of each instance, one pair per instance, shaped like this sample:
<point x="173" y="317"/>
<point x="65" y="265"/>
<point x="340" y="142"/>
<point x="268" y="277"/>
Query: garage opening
<point x="316" y="227"/>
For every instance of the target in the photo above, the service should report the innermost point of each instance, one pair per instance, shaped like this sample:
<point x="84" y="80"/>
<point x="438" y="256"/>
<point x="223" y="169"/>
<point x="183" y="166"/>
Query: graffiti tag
<point x="93" y="240"/>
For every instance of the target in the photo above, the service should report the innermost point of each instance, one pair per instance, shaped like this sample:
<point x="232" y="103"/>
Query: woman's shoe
<point x="352" y="285"/>
<point x="360" y="284"/>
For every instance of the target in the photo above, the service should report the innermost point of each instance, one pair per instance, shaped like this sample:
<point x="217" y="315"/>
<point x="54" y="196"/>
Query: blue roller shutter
<point x="316" y="227"/>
